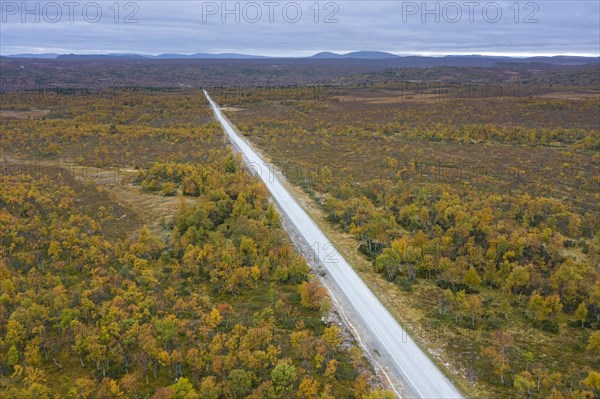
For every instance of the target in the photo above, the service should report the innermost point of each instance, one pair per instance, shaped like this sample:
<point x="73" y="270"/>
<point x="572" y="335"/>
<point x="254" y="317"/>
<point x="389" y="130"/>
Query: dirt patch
<point x="155" y="211"/>
<point x="31" y="114"/>
<point x="572" y="95"/>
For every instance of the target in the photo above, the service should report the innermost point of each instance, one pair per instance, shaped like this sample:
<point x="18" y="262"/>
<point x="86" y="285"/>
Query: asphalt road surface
<point x="415" y="368"/>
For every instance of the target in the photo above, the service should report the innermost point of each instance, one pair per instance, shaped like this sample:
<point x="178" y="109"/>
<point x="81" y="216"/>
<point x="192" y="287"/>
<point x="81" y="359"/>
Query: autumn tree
<point x="284" y="378"/>
<point x="312" y="294"/>
<point x="592" y="381"/>
<point x="308" y="388"/>
<point x="497" y="359"/>
<point x="209" y="389"/>
<point x="581" y="313"/>
<point x="542" y="307"/>
<point x="593" y="345"/>
<point x="524" y="384"/>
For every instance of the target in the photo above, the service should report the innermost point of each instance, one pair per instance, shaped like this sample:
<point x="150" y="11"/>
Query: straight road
<point x="421" y="375"/>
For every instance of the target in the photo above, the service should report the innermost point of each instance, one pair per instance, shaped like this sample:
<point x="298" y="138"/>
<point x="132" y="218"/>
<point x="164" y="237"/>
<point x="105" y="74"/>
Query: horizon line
<point x="303" y="54"/>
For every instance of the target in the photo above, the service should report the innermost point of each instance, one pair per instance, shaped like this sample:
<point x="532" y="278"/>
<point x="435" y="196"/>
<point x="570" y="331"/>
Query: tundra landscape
<point x="276" y="220"/>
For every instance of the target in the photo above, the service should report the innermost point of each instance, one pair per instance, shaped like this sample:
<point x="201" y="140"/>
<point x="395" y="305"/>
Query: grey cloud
<point x="563" y="27"/>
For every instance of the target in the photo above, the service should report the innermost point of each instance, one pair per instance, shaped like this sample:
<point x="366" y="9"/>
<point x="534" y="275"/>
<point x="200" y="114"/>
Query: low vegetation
<point x="482" y="213"/>
<point x="221" y="307"/>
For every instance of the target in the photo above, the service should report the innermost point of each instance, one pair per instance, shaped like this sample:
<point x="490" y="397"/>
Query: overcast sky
<point x="296" y="28"/>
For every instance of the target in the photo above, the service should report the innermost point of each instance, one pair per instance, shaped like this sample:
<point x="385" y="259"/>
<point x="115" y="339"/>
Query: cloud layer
<point x="297" y="28"/>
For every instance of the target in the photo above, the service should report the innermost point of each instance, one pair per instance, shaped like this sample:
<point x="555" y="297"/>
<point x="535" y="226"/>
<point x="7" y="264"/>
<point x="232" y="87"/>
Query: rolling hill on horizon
<point x="412" y="60"/>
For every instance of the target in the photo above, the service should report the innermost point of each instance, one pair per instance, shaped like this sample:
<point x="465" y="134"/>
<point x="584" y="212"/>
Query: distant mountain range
<point x="411" y="60"/>
<point x="208" y="56"/>
<point x="42" y="56"/>
<point x="133" y="56"/>
<point x="363" y="55"/>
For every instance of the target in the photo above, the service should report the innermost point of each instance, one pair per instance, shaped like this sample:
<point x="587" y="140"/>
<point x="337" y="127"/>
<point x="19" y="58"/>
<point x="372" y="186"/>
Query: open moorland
<point x="470" y="208"/>
<point x="138" y="259"/>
